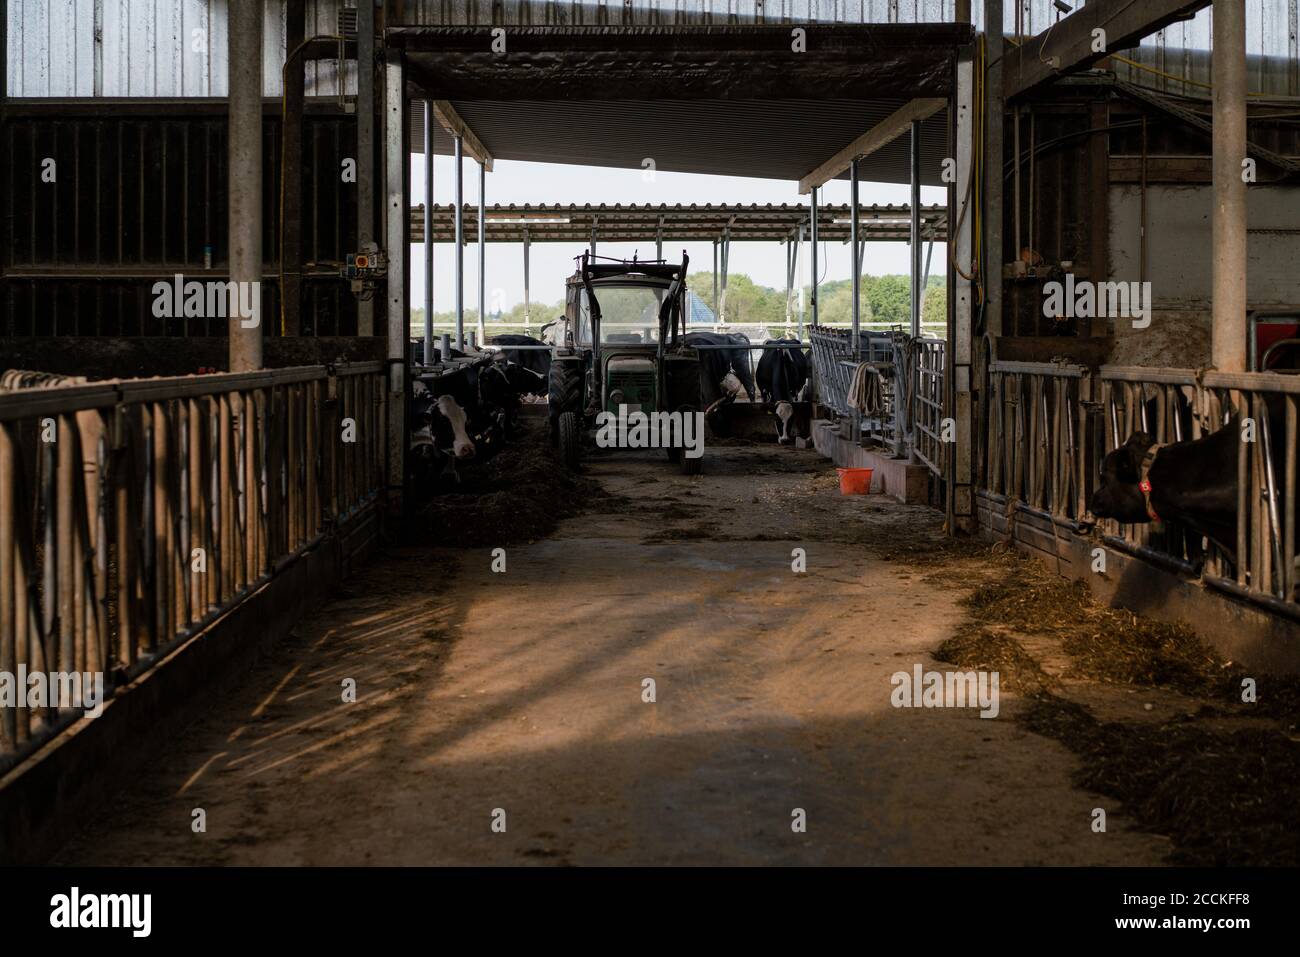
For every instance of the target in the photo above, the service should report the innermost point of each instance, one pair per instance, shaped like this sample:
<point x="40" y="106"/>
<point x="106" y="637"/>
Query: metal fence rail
<point x="833" y="362"/>
<point x="1045" y="428"/>
<point x="134" y="512"/>
<point x="912" y="380"/>
<point x="1032" y="444"/>
<point x="1176" y="403"/>
<point x="926" y="364"/>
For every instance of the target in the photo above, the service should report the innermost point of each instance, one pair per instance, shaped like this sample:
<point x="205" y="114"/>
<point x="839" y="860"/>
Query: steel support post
<point x="916" y="228"/>
<point x="812" y="258"/>
<point x="527" y="312"/>
<point x="716" y="304"/>
<point x="482" y="254"/>
<point x="460" y="243"/>
<point x="855" y="293"/>
<point x="366" y="173"/>
<point x="295" y="20"/>
<point x="959" y="470"/>
<point x="428" y="232"/>
<point x="993" y="124"/>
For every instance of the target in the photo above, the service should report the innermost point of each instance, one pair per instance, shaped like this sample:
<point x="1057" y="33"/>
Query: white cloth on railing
<point x="867" y="390"/>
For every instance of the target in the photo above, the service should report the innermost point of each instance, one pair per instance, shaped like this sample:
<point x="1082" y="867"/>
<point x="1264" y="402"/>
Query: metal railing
<point x="926" y="364"/>
<point x="1031" y="440"/>
<point x="834" y="362"/>
<point x="1175" y="404"/>
<point x="1045" y="428"/>
<point x="135" y="512"/>
<point x="912" y="382"/>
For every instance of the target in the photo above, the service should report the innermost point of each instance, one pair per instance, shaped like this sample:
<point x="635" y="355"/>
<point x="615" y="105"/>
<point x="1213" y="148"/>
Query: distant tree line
<point x="884" y="299"/>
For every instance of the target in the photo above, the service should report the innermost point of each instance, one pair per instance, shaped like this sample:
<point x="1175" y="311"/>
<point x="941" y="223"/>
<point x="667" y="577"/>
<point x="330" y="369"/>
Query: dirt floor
<point x="522" y="691"/>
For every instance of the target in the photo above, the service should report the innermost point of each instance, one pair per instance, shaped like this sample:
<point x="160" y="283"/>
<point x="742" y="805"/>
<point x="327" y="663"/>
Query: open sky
<point x="520" y="182"/>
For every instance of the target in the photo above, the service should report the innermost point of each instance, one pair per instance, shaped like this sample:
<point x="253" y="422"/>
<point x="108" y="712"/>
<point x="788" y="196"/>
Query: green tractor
<point x="619" y="351"/>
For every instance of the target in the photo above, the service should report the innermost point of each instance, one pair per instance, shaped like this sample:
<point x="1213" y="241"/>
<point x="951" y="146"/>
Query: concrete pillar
<point x="244" y="145"/>
<point x="1228" y="342"/>
<point x="482" y="254"/>
<point x="460" y="244"/>
<point x="428" y="232"/>
<point x="397" y="233"/>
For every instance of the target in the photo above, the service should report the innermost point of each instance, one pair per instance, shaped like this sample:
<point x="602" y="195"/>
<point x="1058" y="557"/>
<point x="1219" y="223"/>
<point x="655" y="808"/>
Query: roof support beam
<point x="882" y="134"/>
<point x="1068" y="46"/>
<point x="452" y="122"/>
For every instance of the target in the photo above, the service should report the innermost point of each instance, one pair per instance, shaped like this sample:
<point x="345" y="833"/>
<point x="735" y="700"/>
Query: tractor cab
<point x="620" y="346"/>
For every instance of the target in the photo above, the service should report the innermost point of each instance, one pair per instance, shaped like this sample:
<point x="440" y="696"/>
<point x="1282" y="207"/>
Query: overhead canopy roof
<point x="726" y="99"/>
<point x="619" y="224"/>
<point x="772" y="139"/>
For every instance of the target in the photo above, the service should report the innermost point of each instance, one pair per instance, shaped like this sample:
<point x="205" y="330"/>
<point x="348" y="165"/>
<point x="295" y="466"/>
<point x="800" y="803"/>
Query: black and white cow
<point x="716" y="363"/>
<point x="782" y="374"/>
<point x="794" y="423"/>
<point x="417" y="351"/>
<point x="1192" y="483"/>
<point x="501" y="386"/>
<point x="439" y="439"/>
<point x="536" y="362"/>
<point x="486" y="420"/>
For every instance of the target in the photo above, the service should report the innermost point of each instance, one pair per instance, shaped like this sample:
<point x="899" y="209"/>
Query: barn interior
<point x="236" y="507"/>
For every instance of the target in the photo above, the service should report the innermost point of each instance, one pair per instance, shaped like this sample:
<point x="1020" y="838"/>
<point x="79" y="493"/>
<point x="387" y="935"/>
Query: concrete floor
<point x="523" y="691"/>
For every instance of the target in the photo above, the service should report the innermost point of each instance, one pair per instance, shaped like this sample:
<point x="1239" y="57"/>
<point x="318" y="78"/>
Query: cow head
<point x="1118" y="495"/>
<point x="784" y="412"/>
<point x="462" y="446"/>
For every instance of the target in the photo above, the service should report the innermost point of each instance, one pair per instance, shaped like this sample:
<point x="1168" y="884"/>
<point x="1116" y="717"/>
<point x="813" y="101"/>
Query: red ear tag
<point x="1145" y="486"/>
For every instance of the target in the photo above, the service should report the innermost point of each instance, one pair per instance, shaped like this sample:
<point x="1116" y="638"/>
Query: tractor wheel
<point x="563" y="394"/>
<point x="570" y="437"/>
<point x="690" y="466"/>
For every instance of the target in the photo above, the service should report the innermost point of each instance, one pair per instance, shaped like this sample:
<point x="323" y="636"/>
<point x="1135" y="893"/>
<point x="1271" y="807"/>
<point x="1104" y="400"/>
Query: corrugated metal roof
<point x="149" y="47"/>
<point x="697" y="312"/>
<point x="774" y="139"/>
<point x="638" y="223"/>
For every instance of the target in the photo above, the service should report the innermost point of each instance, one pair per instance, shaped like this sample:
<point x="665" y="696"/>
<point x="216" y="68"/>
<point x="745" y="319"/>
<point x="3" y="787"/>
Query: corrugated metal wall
<point x="176" y="48"/>
<point x="138" y="198"/>
<point x="148" y="48"/>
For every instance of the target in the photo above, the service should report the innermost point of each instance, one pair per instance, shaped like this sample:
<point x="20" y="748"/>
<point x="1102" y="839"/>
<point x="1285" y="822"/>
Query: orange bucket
<point x="855" y="481"/>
